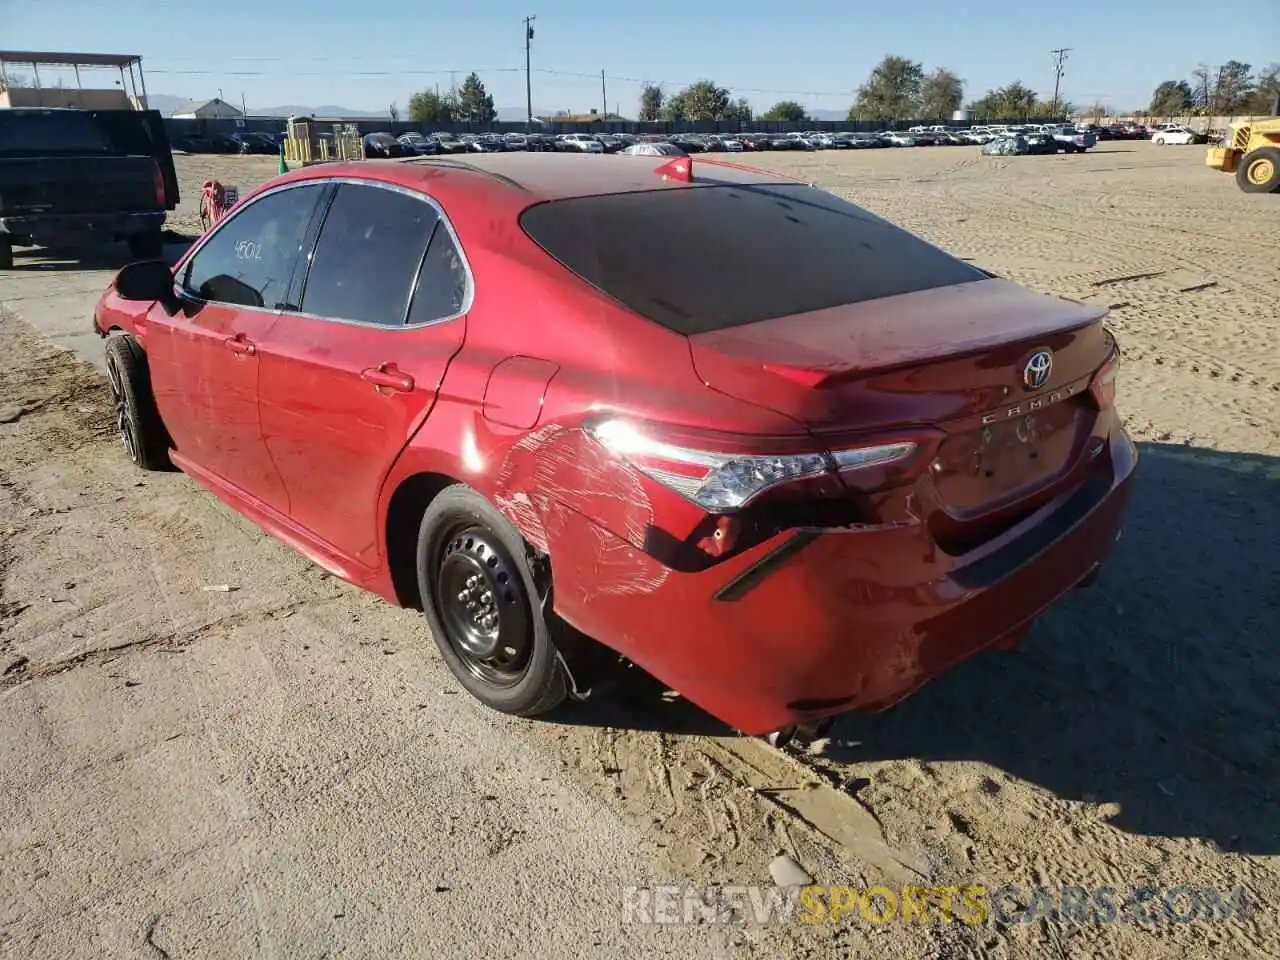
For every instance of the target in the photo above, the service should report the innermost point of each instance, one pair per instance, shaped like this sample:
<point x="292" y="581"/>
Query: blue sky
<point x="369" y="53"/>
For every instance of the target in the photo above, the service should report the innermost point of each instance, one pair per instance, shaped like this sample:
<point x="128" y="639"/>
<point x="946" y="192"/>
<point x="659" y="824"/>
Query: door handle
<point x="239" y="344"/>
<point x="388" y="376"/>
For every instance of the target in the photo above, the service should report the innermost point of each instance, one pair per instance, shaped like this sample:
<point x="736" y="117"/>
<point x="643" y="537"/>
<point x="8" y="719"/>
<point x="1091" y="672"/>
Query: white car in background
<point x="900" y="139"/>
<point x="1174" y="134"/>
<point x="653" y="150"/>
<point x="583" y="142"/>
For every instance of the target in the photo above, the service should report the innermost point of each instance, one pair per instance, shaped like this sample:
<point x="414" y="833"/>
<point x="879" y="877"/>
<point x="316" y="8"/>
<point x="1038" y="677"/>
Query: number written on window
<point x="250" y="261"/>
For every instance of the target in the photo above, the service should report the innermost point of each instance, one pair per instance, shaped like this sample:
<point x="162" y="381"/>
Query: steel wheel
<point x="1261" y="171"/>
<point x="124" y="420"/>
<point x="483" y="606"/>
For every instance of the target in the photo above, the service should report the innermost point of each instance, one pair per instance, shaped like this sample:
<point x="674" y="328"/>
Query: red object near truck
<point x="782" y="454"/>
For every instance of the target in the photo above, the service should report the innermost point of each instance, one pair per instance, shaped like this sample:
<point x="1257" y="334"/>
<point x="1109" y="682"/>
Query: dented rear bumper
<point x="818" y="622"/>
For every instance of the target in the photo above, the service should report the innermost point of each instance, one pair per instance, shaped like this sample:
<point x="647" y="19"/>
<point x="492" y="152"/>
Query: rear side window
<point x="46" y="133"/>
<point x="706" y="258"/>
<point x="368" y="254"/>
<point x="441" y="291"/>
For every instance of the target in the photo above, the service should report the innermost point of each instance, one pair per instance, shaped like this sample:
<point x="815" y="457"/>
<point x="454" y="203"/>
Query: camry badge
<point x="1036" y="373"/>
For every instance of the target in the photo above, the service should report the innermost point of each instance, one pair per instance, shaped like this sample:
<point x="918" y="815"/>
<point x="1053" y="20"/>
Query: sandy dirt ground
<point x="210" y="748"/>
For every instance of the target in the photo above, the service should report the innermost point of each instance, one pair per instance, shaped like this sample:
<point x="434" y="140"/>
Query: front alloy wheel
<point x="124" y="416"/>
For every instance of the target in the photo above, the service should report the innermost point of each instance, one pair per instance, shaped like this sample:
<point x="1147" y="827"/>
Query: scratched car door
<point x="235" y="287"/>
<point x="345" y="382"/>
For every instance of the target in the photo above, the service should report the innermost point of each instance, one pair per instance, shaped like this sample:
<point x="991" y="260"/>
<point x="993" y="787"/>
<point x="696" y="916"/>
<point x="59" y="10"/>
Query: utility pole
<point x="528" y="75"/>
<point x="1059" y="57"/>
<point x="604" y="99"/>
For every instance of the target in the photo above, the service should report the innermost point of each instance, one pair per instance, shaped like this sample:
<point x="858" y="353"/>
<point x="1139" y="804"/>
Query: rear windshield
<point x="706" y="258"/>
<point x="54" y="132"/>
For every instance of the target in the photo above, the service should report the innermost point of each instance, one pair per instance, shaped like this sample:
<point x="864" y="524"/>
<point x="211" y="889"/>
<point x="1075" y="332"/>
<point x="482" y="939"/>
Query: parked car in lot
<point x="1176" y="134"/>
<point x="255" y="143"/>
<point x="1014" y="145"/>
<point x="792" y="460"/>
<point x="1069" y="138"/>
<point x="201" y="143"/>
<point x="384" y="145"/>
<point x="653" y="150"/>
<point x="1040" y="141"/>
<point x="581" y="142"/>
<point x="418" y="143"/>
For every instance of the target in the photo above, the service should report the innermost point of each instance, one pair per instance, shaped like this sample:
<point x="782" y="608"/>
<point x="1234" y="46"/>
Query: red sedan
<point x="787" y="457"/>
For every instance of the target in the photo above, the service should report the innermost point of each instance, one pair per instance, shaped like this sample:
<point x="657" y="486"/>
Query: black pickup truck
<point x="81" y="178"/>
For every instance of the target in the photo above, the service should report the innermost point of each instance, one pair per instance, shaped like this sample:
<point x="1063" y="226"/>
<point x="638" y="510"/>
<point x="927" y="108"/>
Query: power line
<point x="547" y="71"/>
<point x="432" y="73"/>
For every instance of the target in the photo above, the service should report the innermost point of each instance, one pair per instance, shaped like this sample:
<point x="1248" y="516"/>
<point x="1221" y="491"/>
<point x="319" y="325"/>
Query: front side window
<point x="249" y="262"/>
<point x="368" y="254"/>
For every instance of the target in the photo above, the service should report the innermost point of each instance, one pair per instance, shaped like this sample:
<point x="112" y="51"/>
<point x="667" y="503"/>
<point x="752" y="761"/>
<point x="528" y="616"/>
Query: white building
<point x="214" y="109"/>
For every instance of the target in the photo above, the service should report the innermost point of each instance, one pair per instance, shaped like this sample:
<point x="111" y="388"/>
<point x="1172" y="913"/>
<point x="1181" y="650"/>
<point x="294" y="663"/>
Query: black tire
<point x="511" y="665"/>
<point x="1246" y="173"/>
<point x="146" y="441"/>
<point x="147" y="246"/>
<point x="6" y="253"/>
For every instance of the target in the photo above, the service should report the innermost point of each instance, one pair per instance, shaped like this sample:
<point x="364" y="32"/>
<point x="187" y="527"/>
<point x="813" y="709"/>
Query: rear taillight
<point x="1103" y="386"/>
<point x="157" y="179"/>
<point x="720" y="481"/>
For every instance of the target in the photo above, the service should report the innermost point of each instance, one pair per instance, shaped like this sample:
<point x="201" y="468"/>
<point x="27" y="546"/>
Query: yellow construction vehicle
<point x="1251" y="150"/>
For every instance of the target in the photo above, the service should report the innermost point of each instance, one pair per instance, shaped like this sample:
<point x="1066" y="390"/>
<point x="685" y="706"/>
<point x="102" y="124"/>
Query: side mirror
<point x="146" y="280"/>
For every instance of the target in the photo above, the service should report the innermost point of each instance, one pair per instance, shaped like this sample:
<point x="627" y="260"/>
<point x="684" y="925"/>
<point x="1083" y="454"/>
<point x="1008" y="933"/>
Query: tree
<point x="1201" y="88"/>
<point x="474" y="104"/>
<point x="394" y="112"/>
<point x="787" y="110"/>
<point x="427" y="106"/>
<point x="1234" y="88"/>
<point x="1047" y="108"/>
<point x="739" y="110"/>
<point x="1266" y="90"/>
<point x="1171" y="98"/>
<point x="892" y="92"/>
<point x="1227" y="90"/>
<point x="650" y="101"/>
<point x="1094" y="112"/>
<point x="1015" y="100"/>
<point x="701" y="100"/>
<point x="941" y="94"/>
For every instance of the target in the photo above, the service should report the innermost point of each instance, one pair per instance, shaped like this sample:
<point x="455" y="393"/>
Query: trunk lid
<point x="957" y="359"/>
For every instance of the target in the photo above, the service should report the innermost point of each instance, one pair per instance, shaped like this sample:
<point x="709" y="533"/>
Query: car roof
<point x="557" y="176"/>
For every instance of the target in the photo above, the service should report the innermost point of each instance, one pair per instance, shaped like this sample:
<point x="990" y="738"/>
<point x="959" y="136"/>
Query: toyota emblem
<point x="1036" y="373"/>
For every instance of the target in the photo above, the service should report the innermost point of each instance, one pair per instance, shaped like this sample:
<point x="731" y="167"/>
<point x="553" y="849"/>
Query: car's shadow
<point x="1157" y="688"/>
<point x="107" y="257"/>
